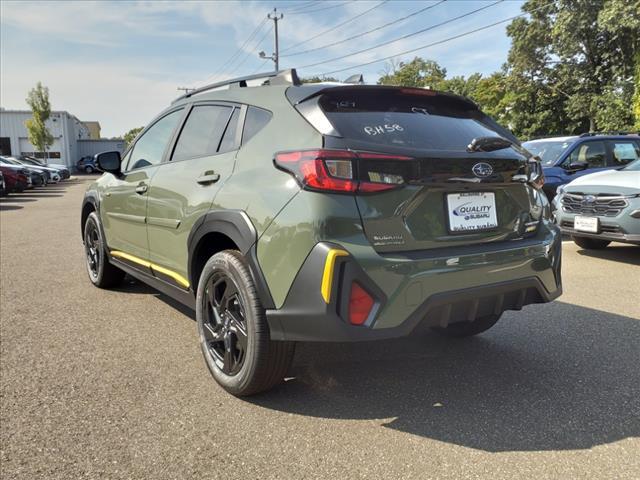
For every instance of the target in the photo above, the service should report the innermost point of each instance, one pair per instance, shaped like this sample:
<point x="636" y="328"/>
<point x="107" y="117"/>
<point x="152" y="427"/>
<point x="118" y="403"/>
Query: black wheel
<point x="468" y="329"/>
<point x="590" y="243"/>
<point x="234" y="334"/>
<point x="101" y="273"/>
<point x="88" y="169"/>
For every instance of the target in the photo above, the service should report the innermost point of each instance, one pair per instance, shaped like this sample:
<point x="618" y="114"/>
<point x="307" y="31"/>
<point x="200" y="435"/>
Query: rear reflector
<point x="342" y="171"/>
<point x="360" y="304"/>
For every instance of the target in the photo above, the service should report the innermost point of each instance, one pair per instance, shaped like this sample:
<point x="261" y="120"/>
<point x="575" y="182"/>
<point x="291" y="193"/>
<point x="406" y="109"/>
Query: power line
<point x="303" y="6"/>
<point x="404" y="36"/>
<point x="319" y="9"/>
<point x="260" y="66"/>
<point x="333" y="28"/>
<point x="439" y="42"/>
<point x="233" y="57"/>
<point x="367" y="32"/>
<point x="249" y="53"/>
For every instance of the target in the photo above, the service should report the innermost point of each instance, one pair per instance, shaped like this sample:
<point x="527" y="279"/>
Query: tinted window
<point x="549" y="152"/>
<point x="592" y="153"/>
<point x="202" y="132"/>
<point x="256" y="120"/>
<point x="624" y="151"/>
<point x="229" y="139"/>
<point x="149" y="148"/>
<point x="426" y="121"/>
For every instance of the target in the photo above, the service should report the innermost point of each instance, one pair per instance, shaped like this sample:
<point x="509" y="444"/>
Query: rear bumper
<point x="435" y="289"/>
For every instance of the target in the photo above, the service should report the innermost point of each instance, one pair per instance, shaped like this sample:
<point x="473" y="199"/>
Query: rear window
<point x="428" y="121"/>
<point x="256" y="120"/>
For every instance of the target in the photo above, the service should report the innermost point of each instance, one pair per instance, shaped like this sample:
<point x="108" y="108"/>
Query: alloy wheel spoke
<point x="215" y="295"/>
<point x="241" y="337"/>
<point x="229" y="357"/>
<point x="212" y="334"/>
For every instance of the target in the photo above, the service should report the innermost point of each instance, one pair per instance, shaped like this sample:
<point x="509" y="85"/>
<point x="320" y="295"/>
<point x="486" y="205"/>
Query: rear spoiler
<point x="299" y="94"/>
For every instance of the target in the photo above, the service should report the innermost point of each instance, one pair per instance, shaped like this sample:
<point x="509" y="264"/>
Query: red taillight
<point x="333" y="170"/>
<point x="360" y="304"/>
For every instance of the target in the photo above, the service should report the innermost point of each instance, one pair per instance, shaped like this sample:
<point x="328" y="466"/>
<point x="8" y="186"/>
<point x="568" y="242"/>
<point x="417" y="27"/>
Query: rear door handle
<point x="141" y="189"/>
<point x="207" y="178"/>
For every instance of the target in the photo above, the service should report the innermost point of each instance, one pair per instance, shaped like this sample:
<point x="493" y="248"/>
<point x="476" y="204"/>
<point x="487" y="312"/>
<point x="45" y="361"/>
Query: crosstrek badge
<point x="471" y="211"/>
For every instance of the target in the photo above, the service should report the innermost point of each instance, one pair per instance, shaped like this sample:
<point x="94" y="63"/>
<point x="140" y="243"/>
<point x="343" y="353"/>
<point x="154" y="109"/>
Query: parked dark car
<point x="54" y="175"/>
<point x="14" y="179"/>
<point x="87" y="164"/>
<point x="3" y="190"/>
<point x="62" y="169"/>
<point x="566" y="158"/>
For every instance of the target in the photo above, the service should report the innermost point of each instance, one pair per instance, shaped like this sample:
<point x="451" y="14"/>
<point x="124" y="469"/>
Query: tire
<point x="590" y="243"/>
<point x="88" y="169"/>
<point x="468" y="329"/>
<point x="101" y="273"/>
<point x="233" y="330"/>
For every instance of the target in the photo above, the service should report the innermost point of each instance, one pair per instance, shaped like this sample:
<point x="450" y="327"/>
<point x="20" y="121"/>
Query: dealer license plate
<point x="471" y="211"/>
<point x="586" y="224"/>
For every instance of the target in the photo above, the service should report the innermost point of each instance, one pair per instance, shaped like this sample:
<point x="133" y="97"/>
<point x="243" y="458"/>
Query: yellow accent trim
<point x="327" y="275"/>
<point x="176" y="276"/>
<point x="131" y="258"/>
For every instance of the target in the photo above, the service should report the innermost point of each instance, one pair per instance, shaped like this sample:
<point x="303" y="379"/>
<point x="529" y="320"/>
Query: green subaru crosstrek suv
<point x="286" y="212"/>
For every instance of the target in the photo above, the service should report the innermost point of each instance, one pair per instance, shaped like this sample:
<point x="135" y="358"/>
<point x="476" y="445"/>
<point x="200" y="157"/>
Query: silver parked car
<point x="601" y="207"/>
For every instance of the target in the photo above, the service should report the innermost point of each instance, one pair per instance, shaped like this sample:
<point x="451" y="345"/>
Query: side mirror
<point x="578" y="166"/>
<point x="108" y="162"/>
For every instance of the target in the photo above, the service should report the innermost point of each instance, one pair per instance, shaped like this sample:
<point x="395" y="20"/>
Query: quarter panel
<point x="308" y="219"/>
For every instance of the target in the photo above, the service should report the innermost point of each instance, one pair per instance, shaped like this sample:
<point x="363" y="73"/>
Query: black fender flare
<point x="90" y="198"/>
<point x="236" y="225"/>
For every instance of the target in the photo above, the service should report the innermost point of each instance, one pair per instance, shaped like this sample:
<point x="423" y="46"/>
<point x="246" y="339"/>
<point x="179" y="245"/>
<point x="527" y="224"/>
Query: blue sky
<point x="121" y="62"/>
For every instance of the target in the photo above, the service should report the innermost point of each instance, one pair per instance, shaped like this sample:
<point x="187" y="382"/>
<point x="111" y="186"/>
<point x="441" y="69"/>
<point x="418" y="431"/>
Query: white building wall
<point x="91" y="147"/>
<point x="65" y="128"/>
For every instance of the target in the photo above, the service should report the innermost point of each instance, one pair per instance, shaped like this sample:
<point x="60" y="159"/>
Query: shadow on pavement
<point x="4" y="206"/>
<point x="569" y="379"/>
<point x="13" y="198"/>
<point x="554" y="377"/>
<point x="618" y="253"/>
<point x="131" y="285"/>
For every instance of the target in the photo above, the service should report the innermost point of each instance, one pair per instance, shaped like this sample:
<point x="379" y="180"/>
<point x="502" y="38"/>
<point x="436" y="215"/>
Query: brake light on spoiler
<point x="341" y="171"/>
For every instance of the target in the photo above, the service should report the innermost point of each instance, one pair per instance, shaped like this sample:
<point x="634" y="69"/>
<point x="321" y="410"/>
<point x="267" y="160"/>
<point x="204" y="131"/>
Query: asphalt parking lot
<point x="111" y="384"/>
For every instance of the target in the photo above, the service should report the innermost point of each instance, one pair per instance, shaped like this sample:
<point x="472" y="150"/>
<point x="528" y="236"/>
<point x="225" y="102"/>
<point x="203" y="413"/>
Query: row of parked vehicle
<point x="19" y="174"/>
<point x="593" y="184"/>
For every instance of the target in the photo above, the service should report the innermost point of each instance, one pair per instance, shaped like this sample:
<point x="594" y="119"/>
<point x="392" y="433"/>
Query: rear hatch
<point x="432" y="190"/>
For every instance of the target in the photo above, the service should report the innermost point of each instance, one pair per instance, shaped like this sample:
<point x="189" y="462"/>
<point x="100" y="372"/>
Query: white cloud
<point x="119" y="98"/>
<point x="125" y="87"/>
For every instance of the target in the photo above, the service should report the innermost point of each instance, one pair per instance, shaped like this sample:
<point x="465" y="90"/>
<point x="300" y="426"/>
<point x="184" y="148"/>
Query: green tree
<point x="39" y="135"/>
<point x="460" y="85"/>
<point x="571" y="65"/>
<point x="131" y="135"/>
<point x="416" y="73"/>
<point x="317" y="79"/>
<point x="636" y="98"/>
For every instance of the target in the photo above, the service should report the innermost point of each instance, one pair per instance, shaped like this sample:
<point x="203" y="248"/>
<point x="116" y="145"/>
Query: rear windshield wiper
<point x="488" y="144"/>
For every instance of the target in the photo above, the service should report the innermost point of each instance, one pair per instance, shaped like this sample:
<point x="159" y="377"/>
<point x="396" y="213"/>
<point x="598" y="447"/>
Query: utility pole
<point x="276" y="55"/>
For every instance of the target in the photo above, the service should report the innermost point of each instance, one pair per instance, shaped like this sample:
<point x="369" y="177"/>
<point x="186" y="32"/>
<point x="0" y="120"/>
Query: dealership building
<point x="72" y="138"/>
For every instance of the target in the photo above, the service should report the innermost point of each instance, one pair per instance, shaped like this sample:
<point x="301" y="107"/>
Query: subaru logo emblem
<point x="589" y="199"/>
<point x="482" y="170"/>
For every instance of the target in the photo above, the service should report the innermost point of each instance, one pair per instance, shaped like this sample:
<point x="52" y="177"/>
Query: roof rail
<point x="593" y="134"/>
<point x="281" y="77"/>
